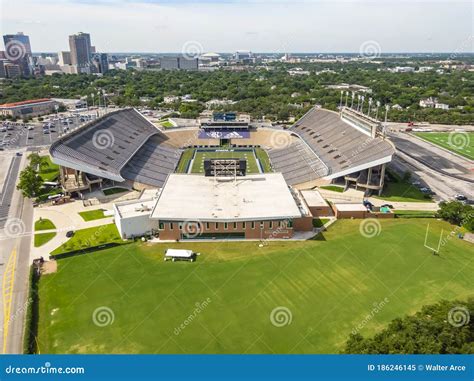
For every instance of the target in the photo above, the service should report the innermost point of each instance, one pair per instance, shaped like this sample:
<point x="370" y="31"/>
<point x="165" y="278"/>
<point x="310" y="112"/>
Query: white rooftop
<point x="134" y="208"/>
<point x="313" y="198"/>
<point x="350" y="207"/>
<point x="254" y="197"/>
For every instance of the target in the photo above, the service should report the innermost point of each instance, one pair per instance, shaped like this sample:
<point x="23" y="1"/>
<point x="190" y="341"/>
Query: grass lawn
<point x="115" y="190"/>
<point x="329" y="286"/>
<point x="44" y="224"/>
<point x="264" y="159"/>
<point x="198" y="163"/>
<point x="90" y="237"/>
<point x="167" y="124"/>
<point x="334" y="188"/>
<point x="319" y="222"/>
<point x="414" y="213"/>
<point x="51" y="172"/>
<point x="461" y="143"/>
<point x="399" y="190"/>
<point x="42" y="238"/>
<point x="184" y="160"/>
<point x="91" y="215"/>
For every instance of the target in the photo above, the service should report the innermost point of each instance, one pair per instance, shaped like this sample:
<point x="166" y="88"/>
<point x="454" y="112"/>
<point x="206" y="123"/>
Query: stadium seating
<point x="338" y="144"/>
<point x="152" y="163"/>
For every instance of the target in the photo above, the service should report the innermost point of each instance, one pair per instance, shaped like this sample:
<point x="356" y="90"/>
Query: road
<point x="15" y="241"/>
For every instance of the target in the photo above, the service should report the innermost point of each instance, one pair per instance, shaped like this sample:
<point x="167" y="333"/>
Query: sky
<point x="257" y="25"/>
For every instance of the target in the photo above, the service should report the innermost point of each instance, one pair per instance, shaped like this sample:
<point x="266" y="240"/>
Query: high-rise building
<point x="64" y="58"/>
<point x="101" y="62"/>
<point x="18" y="52"/>
<point x="80" y="48"/>
<point x="179" y="63"/>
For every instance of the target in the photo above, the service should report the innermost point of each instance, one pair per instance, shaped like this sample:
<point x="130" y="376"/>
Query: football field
<point x="249" y="156"/>
<point x="461" y="143"/>
<point x="242" y="297"/>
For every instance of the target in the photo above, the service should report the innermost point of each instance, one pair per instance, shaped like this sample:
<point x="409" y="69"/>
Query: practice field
<point x="284" y="297"/>
<point x="461" y="143"/>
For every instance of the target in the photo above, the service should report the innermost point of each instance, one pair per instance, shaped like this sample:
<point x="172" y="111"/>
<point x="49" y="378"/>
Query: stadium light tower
<point x="370" y="105"/>
<point x="352" y="99"/>
<point x="362" y="98"/>
<point x="347" y="95"/>
<point x="377" y="110"/>
<point x="358" y="101"/>
<point x="340" y="101"/>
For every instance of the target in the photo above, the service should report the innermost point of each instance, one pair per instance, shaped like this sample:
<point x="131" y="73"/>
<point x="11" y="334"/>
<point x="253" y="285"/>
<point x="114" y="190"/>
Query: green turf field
<point x="461" y="143"/>
<point x="223" y="302"/>
<point x="200" y="156"/>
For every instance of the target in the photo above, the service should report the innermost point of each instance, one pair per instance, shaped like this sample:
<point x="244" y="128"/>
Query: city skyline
<point x="166" y="26"/>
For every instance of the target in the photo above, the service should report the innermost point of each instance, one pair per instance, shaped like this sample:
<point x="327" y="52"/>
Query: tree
<point x="30" y="182"/>
<point x="37" y="161"/>
<point x="443" y="328"/>
<point x="456" y="213"/>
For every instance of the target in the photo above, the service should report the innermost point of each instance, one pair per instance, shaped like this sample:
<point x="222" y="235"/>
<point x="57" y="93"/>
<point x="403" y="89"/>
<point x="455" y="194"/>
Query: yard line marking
<point x="7" y="284"/>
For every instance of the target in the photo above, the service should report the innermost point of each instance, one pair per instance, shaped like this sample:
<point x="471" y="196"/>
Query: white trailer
<point x="179" y="255"/>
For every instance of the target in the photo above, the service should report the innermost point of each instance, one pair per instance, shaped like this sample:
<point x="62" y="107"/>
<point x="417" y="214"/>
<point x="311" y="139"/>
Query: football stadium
<point x="227" y="178"/>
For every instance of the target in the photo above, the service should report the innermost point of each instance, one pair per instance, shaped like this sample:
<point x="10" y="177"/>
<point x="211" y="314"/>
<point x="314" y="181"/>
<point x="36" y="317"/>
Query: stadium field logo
<point x="192" y="50"/>
<point x="459" y="316"/>
<point x="15" y="50"/>
<point x="458" y="140"/>
<point x="281" y="316"/>
<point x="103" y="139"/>
<point x="370" y="49"/>
<point x="103" y="316"/>
<point x="370" y="228"/>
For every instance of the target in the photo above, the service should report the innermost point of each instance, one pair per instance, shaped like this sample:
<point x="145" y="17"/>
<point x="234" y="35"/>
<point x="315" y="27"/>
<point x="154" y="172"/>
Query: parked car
<point x="70" y="233"/>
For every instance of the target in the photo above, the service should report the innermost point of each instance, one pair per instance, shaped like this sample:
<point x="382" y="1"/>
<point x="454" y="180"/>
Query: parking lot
<point x="15" y="135"/>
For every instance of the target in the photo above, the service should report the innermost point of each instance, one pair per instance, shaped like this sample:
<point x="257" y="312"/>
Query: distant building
<point x="442" y="106"/>
<point x="179" y="63"/>
<point x="31" y="108"/>
<point x="101" y="62"/>
<point x="12" y="70"/>
<point x="18" y="52"/>
<point x="428" y="102"/>
<point x="64" y="58"/>
<point x="80" y="48"/>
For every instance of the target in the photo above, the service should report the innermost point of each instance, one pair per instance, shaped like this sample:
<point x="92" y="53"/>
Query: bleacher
<point x="105" y="145"/>
<point x="153" y="162"/>
<point x="297" y="163"/>
<point x="120" y="146"/>
<point x="338" y="144"/>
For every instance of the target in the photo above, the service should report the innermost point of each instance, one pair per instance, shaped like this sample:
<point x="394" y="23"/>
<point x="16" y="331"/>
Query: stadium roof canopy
<point x="119" y="147"/>
<point x="249" y="198"/>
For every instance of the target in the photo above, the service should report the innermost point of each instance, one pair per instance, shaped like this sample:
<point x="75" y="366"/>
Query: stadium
<point x="226" y="178"/>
